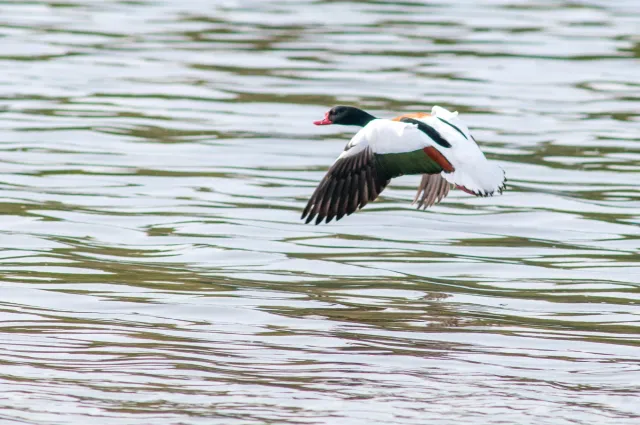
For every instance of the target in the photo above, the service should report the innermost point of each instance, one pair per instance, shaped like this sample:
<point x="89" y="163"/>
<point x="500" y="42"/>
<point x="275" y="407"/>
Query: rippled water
<point x="155" y="158"/>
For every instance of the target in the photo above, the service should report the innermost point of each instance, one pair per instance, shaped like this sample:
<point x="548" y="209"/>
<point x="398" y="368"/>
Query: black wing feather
<point x="350" y="184"/>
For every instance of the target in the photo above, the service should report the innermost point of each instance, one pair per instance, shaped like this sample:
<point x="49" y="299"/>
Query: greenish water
<point x="155" y="159"/>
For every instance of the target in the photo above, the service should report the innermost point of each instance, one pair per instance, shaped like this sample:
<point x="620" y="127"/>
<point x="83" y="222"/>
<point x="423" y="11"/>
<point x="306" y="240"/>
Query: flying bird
<point x="437" y="145"/>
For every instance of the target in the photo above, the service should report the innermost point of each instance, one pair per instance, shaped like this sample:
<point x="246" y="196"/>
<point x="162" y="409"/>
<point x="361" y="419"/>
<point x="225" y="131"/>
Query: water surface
<point x="156" y="156"/>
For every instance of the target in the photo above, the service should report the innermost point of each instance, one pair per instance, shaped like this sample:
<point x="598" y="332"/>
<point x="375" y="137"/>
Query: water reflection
<point x="155" y="160"/>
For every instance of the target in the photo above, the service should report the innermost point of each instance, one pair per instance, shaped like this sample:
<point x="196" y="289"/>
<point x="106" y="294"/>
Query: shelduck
<point x="437" y="145"/>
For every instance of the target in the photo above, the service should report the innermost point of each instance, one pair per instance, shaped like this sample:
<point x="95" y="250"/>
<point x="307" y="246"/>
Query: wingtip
<point x="309" y="218"/>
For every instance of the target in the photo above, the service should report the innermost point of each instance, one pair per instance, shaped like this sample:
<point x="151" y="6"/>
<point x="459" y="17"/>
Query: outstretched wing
<point x="433" y="189"/>
<point x="385" y="149"/>
<point x="374" y="156"/>
<point x="351" y="183"/>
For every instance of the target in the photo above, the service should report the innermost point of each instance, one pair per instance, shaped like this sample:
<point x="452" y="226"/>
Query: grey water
<point x="155" y="156"/>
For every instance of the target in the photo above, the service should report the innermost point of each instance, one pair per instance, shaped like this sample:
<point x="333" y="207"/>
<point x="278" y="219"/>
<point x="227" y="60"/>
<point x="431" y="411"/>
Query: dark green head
<point x="346" y="115"/>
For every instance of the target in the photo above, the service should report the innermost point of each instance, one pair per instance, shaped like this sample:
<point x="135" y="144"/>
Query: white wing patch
<point x="386" y="136"/>
<point x="452" y="118"/>
<point x="473" y="171"/>
<point x="357" y="144"/>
